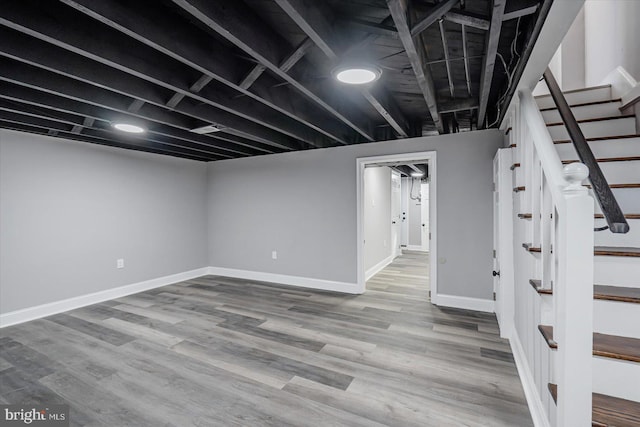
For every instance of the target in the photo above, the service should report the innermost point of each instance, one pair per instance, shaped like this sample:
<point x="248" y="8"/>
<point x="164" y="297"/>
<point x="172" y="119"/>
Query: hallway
<point x="222" y="351"/>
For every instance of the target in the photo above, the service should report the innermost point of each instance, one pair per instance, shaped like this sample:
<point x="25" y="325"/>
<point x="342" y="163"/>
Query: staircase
<point x="615" y="143"/>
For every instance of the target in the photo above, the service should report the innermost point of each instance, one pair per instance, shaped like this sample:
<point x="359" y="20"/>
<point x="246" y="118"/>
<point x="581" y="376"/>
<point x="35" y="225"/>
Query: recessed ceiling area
<point x="214" y="80"/>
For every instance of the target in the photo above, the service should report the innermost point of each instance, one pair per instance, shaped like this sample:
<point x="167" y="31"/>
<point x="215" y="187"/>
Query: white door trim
<point x="361" y="162"/>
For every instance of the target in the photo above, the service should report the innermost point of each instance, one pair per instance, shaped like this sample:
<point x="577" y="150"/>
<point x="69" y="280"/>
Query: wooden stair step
<point x="607" y="159"/>
<point x="627" y="216"/>
<point x="597" y="119"/>
<point x="599" y="138"/>
<point x="585" y="104"/>
<point x="609" y="411"/>
<point x="616" y="293"/>
<point x="596" y="216"/>
<point x="619" y="185"/>
<point x="617" y="251"/>
<point x="537" y="285"/>
<point x="601" y="292"/>
<point x="604" y="345"/>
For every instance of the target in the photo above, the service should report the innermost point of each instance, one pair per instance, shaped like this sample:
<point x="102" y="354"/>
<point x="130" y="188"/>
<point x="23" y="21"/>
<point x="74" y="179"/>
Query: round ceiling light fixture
<point x="417" y="174"/>
<point x="357" y="74"/>
<point x="127" y="127"/>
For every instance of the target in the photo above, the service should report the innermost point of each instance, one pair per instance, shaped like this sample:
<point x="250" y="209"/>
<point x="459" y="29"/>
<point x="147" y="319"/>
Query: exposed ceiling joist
<point x="195" y="51"/>
<point x="465" y="18"/>
<point x="373" y="28"/>
<point x="434" y="14"/>
<point x="42" y="128"/>
<point x="52" y="124"/>
<point x="87" y="123"/>
<point x="109" y="132"/>
<point x="488" y="64"/>
<point x="103" y="49"/>
<point x="247" y="32"/>
<point x="285" y="65"/>
<point x="401" y="16"/>
<point x="460" y="104"/>
<point x="56" y="93"/>
<point x="520" y="13"/>
<point x="312" y="20"/>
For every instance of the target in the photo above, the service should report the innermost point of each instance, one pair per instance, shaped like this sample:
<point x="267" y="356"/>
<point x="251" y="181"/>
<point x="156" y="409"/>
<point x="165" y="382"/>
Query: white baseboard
<point x="44" y="310"/>
<point x="303" y="282"/>
<point x="467" y="303"/>
<point x="414" y="248"/>
<point x="536" y="408"/>
<point x="378" y="267"/>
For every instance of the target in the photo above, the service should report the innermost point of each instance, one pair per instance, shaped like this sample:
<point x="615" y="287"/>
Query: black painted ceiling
<point x="258" y="70"/>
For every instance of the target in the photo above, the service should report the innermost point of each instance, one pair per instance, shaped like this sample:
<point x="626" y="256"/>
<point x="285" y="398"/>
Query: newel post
<point x="574" y="300"/>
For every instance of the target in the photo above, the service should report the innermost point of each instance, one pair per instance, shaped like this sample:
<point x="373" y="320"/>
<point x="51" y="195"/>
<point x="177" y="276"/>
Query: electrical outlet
<point x="274" y="254"/>
<point x="120" y="263"/>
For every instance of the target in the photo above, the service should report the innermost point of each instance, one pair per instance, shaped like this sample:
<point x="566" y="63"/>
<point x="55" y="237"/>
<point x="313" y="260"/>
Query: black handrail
<point x="607" y="201"/>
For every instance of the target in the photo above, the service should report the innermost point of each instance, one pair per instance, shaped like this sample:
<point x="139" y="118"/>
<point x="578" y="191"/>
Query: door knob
<point x="496" y="273"/>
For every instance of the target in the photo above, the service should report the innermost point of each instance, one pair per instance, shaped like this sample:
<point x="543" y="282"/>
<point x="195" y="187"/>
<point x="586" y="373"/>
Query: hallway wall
<point x="377" y="215"/>
<point x="303" y="204"/>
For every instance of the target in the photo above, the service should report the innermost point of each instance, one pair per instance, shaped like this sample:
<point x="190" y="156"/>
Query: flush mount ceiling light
<point x="357" y="74"/>
<point x="126" y="127"/>
<point x="417" y="174"/>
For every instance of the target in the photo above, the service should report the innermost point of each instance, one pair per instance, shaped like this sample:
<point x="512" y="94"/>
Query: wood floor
<point x="227" y="352"/>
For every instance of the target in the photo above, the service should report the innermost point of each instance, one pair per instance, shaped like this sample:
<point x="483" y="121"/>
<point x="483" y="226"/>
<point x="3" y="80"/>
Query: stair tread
<point x="531" y="248"/>
<point x="629" y="185"/>
<point x="585" y="104"/>
<point x="627" y="216"/>
<point x="601" y="292"/>
<point x="604" y="345"/>
<point x="596" y="216"/>
<point x="617" y="251"/>
<point x="596" y="119"/>
<point x="616" y="293"/>
<point x="609" y="411"/>
<point x="584" y="89"/>
<point x="537" y="285"/>
<point x="600" y="138"/>
<point x="607" y="159"/>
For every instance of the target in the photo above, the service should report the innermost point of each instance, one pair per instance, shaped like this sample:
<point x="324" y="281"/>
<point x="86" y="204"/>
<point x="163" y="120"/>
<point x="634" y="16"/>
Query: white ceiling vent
<point x="206" y="129"/>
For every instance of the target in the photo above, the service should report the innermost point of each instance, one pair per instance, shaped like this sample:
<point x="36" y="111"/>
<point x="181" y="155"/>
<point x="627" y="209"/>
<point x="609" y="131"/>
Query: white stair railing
<point x="562" y="226"/>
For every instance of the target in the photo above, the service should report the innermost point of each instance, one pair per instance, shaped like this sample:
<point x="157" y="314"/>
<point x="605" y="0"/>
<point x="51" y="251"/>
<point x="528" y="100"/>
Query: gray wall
<point x="611" y="38"/>
<point x="377" y="215"/>
<point x="303" y="204"/>
<point x="68" y="210"/>
<point x="414" y="216"/>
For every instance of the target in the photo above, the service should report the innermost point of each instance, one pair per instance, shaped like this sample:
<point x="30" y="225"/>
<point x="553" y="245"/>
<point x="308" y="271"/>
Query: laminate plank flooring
<point x="217" y="351"/>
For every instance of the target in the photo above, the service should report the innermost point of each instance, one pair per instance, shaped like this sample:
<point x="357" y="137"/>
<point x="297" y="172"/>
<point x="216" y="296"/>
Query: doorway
<point x="427" y="221"/>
